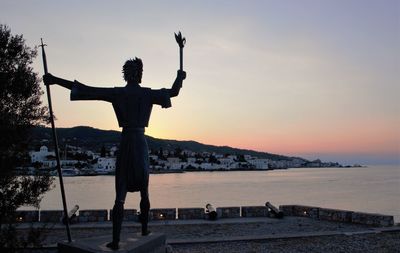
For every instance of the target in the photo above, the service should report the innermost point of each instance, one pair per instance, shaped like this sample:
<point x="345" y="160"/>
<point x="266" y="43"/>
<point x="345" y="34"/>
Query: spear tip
<point x="42" y="45"/>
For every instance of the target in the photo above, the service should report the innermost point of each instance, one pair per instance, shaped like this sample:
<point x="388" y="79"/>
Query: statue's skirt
<point x="132" y="167"/>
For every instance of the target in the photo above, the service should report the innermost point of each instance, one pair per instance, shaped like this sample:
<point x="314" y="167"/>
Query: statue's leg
<point x="117" y="217"/>
<point x="144" y="210"/>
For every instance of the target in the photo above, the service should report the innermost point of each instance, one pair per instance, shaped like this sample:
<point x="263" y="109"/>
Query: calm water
<point x="371" y="189"/>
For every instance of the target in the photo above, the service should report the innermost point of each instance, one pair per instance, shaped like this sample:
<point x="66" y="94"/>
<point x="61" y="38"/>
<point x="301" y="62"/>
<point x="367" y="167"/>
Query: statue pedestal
<point x="153" y="243"/>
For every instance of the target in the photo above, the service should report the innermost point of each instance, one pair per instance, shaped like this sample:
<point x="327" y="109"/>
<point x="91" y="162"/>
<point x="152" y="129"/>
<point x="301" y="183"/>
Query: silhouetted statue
<point x="132" y="105"/>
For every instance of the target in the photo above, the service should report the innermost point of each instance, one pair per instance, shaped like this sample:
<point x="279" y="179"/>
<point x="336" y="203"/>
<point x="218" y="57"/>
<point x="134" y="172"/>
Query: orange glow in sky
<point x="287" y="77"/>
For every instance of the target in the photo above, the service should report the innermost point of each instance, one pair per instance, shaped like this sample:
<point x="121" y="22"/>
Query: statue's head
<point x="133" y="70"/>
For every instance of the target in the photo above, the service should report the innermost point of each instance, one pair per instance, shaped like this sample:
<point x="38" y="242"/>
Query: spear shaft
<point x="53" y="128"/>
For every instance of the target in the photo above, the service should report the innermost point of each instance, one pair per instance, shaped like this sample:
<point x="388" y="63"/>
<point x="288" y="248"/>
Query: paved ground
<point x="376" y="243"/>
<point x="291" y="234"/>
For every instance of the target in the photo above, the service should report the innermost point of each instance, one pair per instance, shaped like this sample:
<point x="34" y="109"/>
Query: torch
<point x="181" y="42"/>
<point x="53" y="128"/>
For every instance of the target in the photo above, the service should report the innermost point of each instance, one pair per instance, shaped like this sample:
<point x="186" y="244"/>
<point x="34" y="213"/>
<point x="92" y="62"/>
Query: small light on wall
<point x="305" y="212"/>
<point x="19" y="218"/>
<point x="161" y="216"/>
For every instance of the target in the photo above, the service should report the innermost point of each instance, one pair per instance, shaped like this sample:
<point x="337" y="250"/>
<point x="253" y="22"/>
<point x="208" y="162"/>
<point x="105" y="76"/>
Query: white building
<point x="41" y="155"/>
<point x="176" y="166"/>
<point x="218" y="156"/>
<point x="53" y="163"/>
<point x="173" y="160"/>
<point x="105" y="164"/>
<point x="233" y="157"/>
<point x="113" y="151"/>
<point x="191" y="160"/>
<point x="89" y="153"/>
<point x="295" y="163"/>
<point x="259" y="163"/>
<point x="189" y="153"/>
<point x="49" y="163"/>
<point x="211" y="166"/>
<point x="153" y="157"/>
<point x="226" y="161"/>
<point x="205" y="154"/>
<point x="279" y="164"/>
<point x="247" y="157"/>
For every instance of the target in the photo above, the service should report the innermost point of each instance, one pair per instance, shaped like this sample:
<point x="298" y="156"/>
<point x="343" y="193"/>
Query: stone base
<point x="153" y="243"/>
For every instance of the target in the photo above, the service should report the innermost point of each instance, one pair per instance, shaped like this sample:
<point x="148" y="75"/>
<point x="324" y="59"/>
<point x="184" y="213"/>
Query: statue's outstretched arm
<point x="49" y="79"/>
<point x="177" y="85"/>
<point x="80" y="91"/>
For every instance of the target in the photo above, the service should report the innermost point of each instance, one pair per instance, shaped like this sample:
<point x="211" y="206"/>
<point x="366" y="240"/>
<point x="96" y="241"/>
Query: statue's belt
<point x="133" y="129"/>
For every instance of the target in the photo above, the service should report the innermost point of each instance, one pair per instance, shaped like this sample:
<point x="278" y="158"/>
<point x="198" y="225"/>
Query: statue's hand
<point x="49" y="79"/>
<point x="181" y="74"/>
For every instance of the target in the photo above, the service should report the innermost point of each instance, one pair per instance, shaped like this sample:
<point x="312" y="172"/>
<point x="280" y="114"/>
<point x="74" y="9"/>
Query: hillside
<point x="93" y="139"/>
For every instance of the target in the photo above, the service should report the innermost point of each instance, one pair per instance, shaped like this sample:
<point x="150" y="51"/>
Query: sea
<point x="374" y="189"/>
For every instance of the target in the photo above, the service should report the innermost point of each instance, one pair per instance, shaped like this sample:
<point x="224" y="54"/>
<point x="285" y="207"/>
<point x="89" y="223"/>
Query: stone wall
<point x="337" y="215"/>
<point x="27" y="216"/>
<point x="51" y="216"/>
<point x="228" y="212"/>
<point x="255" y="211"/>
<point x="162" y="214"/>
<point x="300" y="210"/>
<point x="372" y="219"/>
<point x="129" y="215"/>
<point x="191" y="213"/>
<point x="93" y="215"/>
<point x="334" y="215"/>
<point x="313" y="212"/>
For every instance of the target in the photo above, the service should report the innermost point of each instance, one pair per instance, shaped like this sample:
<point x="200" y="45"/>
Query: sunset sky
<point x="311" y="78"/>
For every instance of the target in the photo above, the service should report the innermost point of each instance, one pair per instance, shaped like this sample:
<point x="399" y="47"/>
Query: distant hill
<point x="93" y="139"/>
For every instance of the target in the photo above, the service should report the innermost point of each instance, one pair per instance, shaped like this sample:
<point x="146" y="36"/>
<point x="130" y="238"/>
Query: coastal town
<point x="76" y="161"/>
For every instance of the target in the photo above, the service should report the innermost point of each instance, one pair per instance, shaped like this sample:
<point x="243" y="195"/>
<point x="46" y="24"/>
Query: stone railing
<point x="191" y="213"/>
<point x="228" y="212"/>
<point x="162" y="214"/>
<point x="223" y="212"/>
<point x="338" y="215"/>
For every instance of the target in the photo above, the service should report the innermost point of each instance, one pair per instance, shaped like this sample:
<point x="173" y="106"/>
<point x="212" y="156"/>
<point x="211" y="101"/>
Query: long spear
<point x="53" y="127"/>
<point x="181" y="42"/>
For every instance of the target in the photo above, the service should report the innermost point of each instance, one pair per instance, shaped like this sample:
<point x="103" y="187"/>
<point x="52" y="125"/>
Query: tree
<point x="240" y="158"/>
<point x="177" y="152"/>
<point x="20" y="110"/>
<point x="103" y="151"/>
<point x="213" y="159"/>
